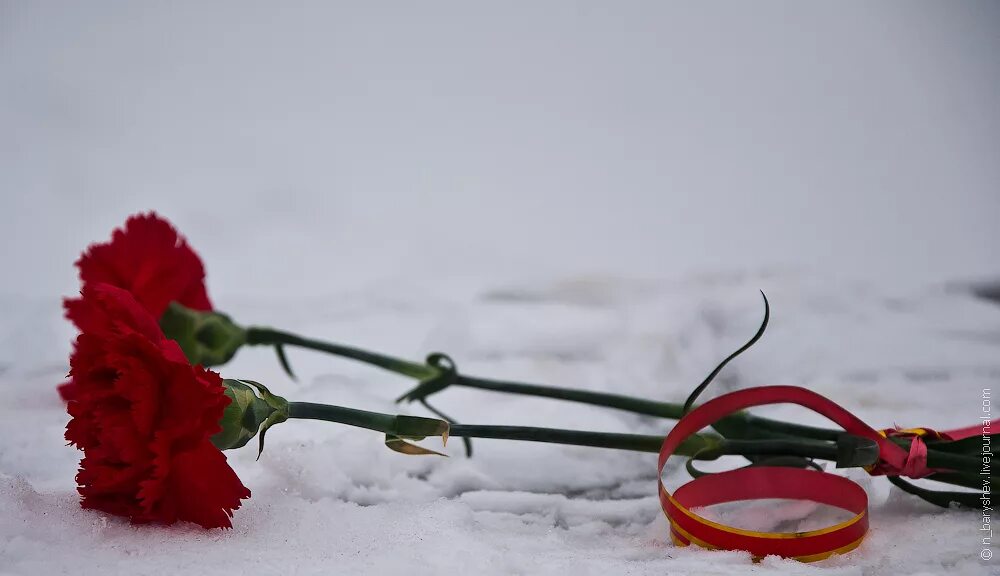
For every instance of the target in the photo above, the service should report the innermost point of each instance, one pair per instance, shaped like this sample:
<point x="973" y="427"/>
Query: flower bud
<point x="207" y="338"/>
<point x="252" y="408"/>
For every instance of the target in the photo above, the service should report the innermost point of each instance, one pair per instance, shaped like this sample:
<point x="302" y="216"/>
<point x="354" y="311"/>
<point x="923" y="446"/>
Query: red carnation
<point x="143" y="417"/>
<point x="149" y="259"/>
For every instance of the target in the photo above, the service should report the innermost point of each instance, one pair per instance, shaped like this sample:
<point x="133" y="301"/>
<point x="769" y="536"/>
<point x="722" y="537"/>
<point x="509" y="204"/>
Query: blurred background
<point x="322" y="146"/>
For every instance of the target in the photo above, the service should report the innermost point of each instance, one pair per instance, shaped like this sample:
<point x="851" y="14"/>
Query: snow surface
<point x="331" y="499"/>
<point x="481" y="179"/>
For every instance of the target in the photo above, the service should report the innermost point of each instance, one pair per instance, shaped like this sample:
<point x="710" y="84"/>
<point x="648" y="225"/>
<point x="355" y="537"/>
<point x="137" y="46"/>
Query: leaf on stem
<point x="467" y="442"/>
<point x="398" y="444"/>
<point x="405" y="428"/>
<point x="417" y="427"/>
<point x="689" y="403"/>
<point x="445" y="375"/>
<point x="280" y="350"/>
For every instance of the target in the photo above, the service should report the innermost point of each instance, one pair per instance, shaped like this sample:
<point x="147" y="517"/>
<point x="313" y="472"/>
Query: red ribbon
<point x="781" y="482"/>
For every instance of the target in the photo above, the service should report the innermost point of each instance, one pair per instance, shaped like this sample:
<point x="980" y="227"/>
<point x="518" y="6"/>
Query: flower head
<point x="143" y="417"/>
<point x="149" y="259"/>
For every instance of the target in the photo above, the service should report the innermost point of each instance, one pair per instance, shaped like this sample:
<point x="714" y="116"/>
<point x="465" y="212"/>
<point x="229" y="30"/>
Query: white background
<point x="315" y="146"/>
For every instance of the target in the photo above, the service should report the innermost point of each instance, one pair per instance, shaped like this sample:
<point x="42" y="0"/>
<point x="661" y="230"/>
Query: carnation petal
<point x="150" y="259"/>
<point x="206" y="488"/>
<point x="144" y="417"/>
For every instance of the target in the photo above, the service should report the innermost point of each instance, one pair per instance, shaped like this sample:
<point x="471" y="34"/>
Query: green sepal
<point x="207" y="338"/>
<point x="253" y="409"/>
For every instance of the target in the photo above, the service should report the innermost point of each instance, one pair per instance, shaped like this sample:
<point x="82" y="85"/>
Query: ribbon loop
<point x="777" y="482"/>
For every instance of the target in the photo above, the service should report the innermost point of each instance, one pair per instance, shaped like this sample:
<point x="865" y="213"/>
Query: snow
<point x="580" y="194"/>
<point x="330" y="498"/>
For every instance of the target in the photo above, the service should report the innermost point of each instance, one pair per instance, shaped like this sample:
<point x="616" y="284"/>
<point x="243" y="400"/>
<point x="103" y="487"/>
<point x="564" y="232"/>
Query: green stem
<point x="634" y="442"/>
<point x="271" y="337"/>
<point x="946" y="460"/>
<point x="973" y="481"/>
<point x="705" y="446"/>
<point x="627" y="403"/>
<point x="385" y="423"/>
<point x="351" y="416"/>
<point x="802" y="448"/>
<point x="788" y="428"/>
<point x="702" y="446"/>
<point x="635" y="405"/>
<point x="268" y="336"/>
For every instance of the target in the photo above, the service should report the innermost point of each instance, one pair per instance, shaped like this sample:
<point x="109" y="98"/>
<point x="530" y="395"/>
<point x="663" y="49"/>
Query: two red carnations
<point x="149" y="259"/>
